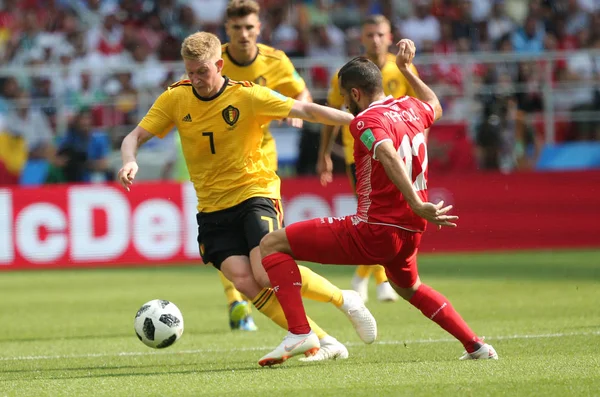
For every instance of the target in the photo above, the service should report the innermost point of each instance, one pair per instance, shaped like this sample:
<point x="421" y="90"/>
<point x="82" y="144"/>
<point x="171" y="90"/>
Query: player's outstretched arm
<point x="129" y="147"/>
<point x="324" y="164"/>
<point x="394" y="168"/>
<point x="404" y="58"/>
<point x="320" y="114"/>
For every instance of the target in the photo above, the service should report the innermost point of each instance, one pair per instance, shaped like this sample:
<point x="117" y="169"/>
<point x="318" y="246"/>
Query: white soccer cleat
<point x="361" y="285"/>
<point x="363" y="321"/>
<point x="292" y="345"/>
<point x="385" y="293"/>
<point x="331" y="349"/>
<point x="485" y="352"/>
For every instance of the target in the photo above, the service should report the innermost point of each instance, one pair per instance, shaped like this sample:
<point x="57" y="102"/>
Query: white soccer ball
<point x="158" y="323"/>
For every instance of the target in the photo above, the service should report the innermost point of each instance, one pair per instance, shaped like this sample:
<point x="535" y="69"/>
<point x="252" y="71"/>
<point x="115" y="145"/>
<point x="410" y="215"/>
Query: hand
<point x="127" y="174"/>
<point x="325" y="169"/>
<point x="296" y="123"/>
<point x="406" y="53"/>
<point x="436" y="213"/>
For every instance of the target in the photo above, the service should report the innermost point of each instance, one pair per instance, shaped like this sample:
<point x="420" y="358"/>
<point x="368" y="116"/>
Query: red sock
<point x="437" y="308"/>
<point x="287" y="283"/>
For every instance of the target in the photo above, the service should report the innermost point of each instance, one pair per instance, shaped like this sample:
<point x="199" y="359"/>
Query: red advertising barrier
<point x="497" y="212"/>
<point x="85" y="225"/>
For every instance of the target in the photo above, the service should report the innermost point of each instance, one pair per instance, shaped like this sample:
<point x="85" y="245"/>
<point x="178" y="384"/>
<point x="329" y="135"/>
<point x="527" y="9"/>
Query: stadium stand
<point x="513" y="75"/>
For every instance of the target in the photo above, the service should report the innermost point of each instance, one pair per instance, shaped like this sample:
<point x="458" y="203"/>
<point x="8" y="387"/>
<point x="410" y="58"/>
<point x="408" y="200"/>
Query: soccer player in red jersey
<point x="391" y="167"/>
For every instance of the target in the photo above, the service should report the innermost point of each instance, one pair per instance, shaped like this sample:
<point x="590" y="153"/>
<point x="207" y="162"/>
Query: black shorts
<point x="351" y="171"/>
<point x="237" y="230"/>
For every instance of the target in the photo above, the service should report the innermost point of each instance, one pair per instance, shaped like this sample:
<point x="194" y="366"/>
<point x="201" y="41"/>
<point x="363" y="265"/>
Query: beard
<point x="354" y="107"/>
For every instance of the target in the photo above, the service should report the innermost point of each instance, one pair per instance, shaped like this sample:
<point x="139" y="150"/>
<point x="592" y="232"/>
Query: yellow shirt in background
<point x="273" y="69"/>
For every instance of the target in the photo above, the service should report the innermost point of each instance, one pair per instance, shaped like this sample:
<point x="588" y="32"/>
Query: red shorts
<point x="351" y="242"/>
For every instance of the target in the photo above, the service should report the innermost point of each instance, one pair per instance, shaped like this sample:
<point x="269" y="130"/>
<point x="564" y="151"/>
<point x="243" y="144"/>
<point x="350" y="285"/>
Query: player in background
<point x="247" y="60"/>
<point x="376" y="38"/>
<point x="220" y="126"/>
<point x="392" y="211"/>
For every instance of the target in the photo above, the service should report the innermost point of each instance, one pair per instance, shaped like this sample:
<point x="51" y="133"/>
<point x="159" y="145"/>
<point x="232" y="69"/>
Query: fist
<point x="406" y="53"/>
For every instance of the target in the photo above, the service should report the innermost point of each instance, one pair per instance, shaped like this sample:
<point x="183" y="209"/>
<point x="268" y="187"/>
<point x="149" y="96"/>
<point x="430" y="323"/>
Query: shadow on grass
<point x="97" y="336"/>
<point x="567" y="266"/>
<point x="40" y="373"/>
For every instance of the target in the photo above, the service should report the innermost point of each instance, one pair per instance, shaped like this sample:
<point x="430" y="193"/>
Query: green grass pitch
<point x="70" y="333"/>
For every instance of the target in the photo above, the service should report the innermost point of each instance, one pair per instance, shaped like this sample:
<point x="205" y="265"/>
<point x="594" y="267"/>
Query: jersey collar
<point x="232" y="59"/>
<point x="379" y="102"/>
<point x="206" y="99"/>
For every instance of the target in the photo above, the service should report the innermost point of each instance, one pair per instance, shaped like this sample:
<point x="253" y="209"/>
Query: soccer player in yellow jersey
<point x="220" y="125"/>
<point x="376" y="38"/>
<point x="246" y="60"/>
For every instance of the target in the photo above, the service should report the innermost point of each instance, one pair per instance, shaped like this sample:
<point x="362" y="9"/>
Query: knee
<point x="408" y="292"/>
<point x="268" y="245"/>
<point x="246" y="284"/>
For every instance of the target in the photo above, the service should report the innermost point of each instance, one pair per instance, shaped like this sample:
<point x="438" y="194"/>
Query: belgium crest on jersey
<point x="260" y="80"/>
<point x="231" y="115"/>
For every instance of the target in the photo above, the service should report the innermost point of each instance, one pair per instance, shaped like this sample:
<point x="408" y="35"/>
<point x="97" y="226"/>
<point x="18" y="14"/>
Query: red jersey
<point x="403" y="122"/>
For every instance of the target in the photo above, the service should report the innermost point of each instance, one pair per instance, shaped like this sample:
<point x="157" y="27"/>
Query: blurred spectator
<point x="186" y="23"/>
<point x="422" y="25"/>
<point x="149" y="72"/>
<point x="13" y="154"/>
<point x="326" y="40"/>
<point x="576" y="18"/>
<point x="27" y="40"/>
<point x="499" y="24"/>
<point x="505" y="140"/>
<point x="583" y="71"/>
<point x="283" y="35"/>
<point x="210" y="14"/>
<point x="480" y="9"/>
<point x="86" y="94"/>
<point x="9" y="89"/>
<point x="107" y="38"/>
<point x="346" y="14"/>
<point x="529" y="38"/>
<point x="90" y="12"/>
<point x="75" y="46"/>
<point x="84" y="153"/>
<point x="34" y="127"/>
<point x="529" y="96"/>
<point x="464" y="26"/>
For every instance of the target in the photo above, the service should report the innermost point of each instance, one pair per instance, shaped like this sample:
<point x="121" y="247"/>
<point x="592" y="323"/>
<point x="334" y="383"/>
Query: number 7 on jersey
<point x="211" y="138"/>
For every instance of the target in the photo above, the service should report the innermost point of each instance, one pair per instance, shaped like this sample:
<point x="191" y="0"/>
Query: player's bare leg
<point x="239" y="308"/>
<point x="237" y="267"/>
<point x="438" y="309"/>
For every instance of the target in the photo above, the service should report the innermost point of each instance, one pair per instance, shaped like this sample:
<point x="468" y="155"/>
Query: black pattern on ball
<point x="142" y="310"/>
<point x="149" y="329"/>
<point x="138" y="335"/>
<point x="163" y="303"/>
<point x="167" y="342"/>
<point x="170" y="320"/>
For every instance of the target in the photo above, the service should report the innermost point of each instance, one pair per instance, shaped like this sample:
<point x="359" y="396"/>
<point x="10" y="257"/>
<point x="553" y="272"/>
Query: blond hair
<point x="376" y="19"/>
<point x="241" y="8"/>
<point x="201" y="46"/>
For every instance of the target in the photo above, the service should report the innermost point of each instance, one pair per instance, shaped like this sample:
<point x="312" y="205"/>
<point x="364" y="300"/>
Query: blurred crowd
<point x="76" y="48"/>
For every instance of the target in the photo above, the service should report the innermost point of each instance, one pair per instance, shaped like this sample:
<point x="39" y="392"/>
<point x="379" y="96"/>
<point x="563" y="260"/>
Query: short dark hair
<point x="242" y="8"/>
<point x="363" y="74"/>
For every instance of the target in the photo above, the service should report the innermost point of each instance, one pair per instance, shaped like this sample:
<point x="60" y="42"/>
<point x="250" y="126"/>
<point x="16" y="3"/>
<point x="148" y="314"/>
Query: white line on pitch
<point x="198" y="351"/>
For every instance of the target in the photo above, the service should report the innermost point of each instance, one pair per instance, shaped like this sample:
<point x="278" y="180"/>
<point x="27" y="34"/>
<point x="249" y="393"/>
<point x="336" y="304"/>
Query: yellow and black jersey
<point x="394" y="84"/>
<point x="273" y="69"/>
<point x="221" y="139"/>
